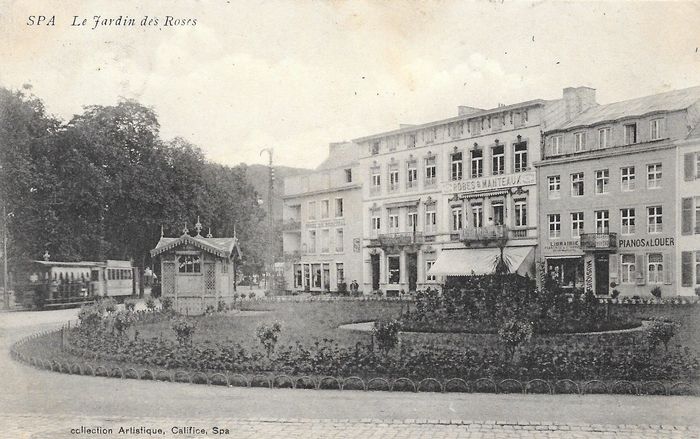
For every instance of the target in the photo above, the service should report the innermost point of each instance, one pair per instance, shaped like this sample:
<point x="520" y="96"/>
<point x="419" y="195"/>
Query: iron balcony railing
<point x="400" y="238"/>
<point x="598" y="241"/>
<point x="483" y="234"/>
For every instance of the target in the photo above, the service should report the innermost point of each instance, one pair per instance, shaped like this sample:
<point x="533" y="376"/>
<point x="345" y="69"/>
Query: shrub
<point x="123" y="320"/>
<point x="91" y="319"/>
<point x="661" y="331"/>
<point x="221" y="306"/>
<point x="167" y="303"/>
<point x="209" y="310"/>
<point x="130" y="305"/>
<point x="268" y="335"/>
<point x="387" y="334"/>
<point x="150" y="304"/>
<point x="251" y="295"/>
<point x="184" y="331"/>
<point x="656" y="292"/>
<point x="109" y="304"/>
<point x="512" y="334"/>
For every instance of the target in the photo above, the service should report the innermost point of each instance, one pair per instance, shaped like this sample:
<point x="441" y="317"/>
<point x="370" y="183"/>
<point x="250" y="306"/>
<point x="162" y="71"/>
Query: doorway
<point x="412" y="270"/>
<point x="602" y="275"/>
<point x="374" y="261"/>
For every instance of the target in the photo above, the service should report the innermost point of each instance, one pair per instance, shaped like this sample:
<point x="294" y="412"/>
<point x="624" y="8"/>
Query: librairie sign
<point x="489" y="183"/>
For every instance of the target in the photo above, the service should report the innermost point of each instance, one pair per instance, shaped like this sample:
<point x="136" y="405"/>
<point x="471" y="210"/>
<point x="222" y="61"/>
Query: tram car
<point x="51" y="284"/>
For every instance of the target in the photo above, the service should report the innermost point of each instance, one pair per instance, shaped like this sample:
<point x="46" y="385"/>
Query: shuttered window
<point x="689" y="166"/>
<point x="687" y="216"/>
<point x="687" y="269"/>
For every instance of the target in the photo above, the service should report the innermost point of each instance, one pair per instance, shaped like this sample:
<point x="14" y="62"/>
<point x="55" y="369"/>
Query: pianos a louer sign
<point x="489" y="183"/>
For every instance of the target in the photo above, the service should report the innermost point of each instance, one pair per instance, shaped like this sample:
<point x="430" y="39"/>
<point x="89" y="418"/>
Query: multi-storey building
<point x="688" y="213"/>
<point x="322" y="223"/>
<point x="610" y="188"/>
<point x="441" y="197"/>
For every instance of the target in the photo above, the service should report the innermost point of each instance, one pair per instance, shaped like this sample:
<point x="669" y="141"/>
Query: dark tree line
<point x="101" y="185"/>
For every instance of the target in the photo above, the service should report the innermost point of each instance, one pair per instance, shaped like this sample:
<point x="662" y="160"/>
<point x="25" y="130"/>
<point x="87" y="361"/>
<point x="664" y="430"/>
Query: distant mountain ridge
<point x="258" y="176"/>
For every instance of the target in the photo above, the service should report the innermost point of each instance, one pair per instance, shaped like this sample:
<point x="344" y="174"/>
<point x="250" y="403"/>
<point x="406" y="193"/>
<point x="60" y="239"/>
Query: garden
<point x="482" y="334"/>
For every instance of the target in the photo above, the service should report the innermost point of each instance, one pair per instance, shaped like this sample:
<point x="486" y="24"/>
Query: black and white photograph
<point x="349" y="219"/>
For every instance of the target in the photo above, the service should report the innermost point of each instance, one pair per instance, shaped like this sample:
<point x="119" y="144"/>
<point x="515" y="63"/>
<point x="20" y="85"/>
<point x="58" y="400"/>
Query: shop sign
<point x="647" y="242"/>
<point x="489" y="183"/>
<point x="563" y="246"/>
<point x="325" y="223"/>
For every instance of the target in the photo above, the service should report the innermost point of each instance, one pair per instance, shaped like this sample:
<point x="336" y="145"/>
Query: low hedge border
<point x="402" y="384"/>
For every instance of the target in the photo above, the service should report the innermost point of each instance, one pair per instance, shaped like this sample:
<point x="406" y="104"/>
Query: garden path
<point x="46" y="404"/>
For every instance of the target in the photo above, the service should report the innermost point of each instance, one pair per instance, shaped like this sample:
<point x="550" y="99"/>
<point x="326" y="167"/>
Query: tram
<point x="51" y="284"/>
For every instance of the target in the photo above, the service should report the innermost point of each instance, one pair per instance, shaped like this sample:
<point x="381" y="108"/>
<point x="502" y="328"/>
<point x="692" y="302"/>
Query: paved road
<point x="38" y="403"/>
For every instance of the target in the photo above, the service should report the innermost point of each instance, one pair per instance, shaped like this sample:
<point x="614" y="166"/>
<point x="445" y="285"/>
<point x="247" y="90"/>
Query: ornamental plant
<point x="150" y="304"/>
<point x="109" y="304"/>
<point x="167" y="303"/>
<point x="268" y="335"/>
<point x="184" y="331"/>
<point x="130" y="305"/>
<point x="91" y="319"/>
<point x="661" y="331"/>
<point x="123" y="320"/>
<point x="512" y="334"/>
<point x="386" y="333"/>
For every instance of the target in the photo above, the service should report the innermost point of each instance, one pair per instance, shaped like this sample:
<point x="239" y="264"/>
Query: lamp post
<point x="269" y="252"/>
<point x="5" y="291"/>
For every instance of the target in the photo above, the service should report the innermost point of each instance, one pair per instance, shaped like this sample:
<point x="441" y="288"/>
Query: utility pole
<point x="269" y="251"/>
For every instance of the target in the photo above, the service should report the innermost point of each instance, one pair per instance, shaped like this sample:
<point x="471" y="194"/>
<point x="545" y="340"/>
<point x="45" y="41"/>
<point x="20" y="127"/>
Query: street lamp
<point x="269" y="253"/>
<point x="5" y="290"/>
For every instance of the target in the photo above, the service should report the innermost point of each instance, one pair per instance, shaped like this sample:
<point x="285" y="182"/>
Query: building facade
<point x="688" y="213"/>
<point x="322" y="224"/>
<point x="609" y="195"/>
<point x="441" y="198"/>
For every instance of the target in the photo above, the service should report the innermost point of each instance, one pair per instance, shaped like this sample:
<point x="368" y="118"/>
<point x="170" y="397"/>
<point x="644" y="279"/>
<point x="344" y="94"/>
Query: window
<point x="456" y="167"/>
<point x="307" y="274"/>
<point x="189" y="264"/>
<point x="412" y="219"/>
<point x="339" y="245"/>
<point x="429" y="135"/>
<point x="554" y="226"/>
<point x="392" y="142"/>
<point x="555" y="145"/>
<point x="410" y="140"/>
<point x="576" y="224"/>
<point x="579" y="142"/>
<point x="498" y="164"/>
<point x="348" y="175"/>
<point x="428" y="266"/>
<point x="376" y="222"/>
<point x="520" y="157"/>
<point x="497" y="212"/>
<point x="604" y="137"/>
<point x="554" y="185"/>
<point x="654" y="175"/>
<point x="627" y="221"/>
<point x="602" y="221"/>
<point x="577" y="184"/>
<point x="312" y="210"/>
<point x="394" y="269"/>
<point x="697" y="268"/>
<point x="312" y="241"/>
<point x="627" y="179"/>
<point x="697" y="215"/>
<point x="339" y="211"/>
<point x="325" y="208"/>
<point x="520" y="213"/>
<point x="430" y="219"/>
<point x="602" y="178"/>
<point x="456" y="218"/>
<point x="477" y="163"/>
<point x="655" y="219"/>
<point x="375" y="148"/>
<point x="393" y="179"/>
<point x="628" y="270"/>
<point x="325" y="240"/>
<point x="339" y="272"/>
<point x="630" y="133"/>
<point x="656" y="128"/>
<point x="411" y="175"/>
<point x="655" y="268"/>
<point x="393" y="221"/>
<point x="430" y="172"/>
<point x="478" y="215"/>
<point x="376" y="182"/>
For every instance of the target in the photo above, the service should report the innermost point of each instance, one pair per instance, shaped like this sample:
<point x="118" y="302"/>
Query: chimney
<point x="577" y="100"/>
<point x="463" y="110"/>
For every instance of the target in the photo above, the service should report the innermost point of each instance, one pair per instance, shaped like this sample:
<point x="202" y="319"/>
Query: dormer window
<point x="656" y="128"/>
<point x="555" y="145"/>
<point x="604" y="137"/>
<point x="630" y="133"/>
<point x="579" y="141"/>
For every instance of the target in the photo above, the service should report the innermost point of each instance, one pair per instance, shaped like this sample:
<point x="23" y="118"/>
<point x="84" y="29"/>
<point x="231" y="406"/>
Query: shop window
<point x="655" y="268"/>
<point x="628" y="270"/>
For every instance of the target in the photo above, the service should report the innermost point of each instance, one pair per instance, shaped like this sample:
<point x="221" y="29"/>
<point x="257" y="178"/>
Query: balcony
<point x="400" y="239"/>
<point x="484" y="235"/>
<point x="291" y="225"/>
<point x="598" y="241"/>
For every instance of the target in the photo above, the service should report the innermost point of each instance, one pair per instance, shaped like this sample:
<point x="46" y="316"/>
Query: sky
<point x="297" y="75"/>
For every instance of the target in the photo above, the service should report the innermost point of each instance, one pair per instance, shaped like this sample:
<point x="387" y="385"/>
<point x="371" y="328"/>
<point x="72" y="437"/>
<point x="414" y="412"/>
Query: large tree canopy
<point x="102" y="185"/>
